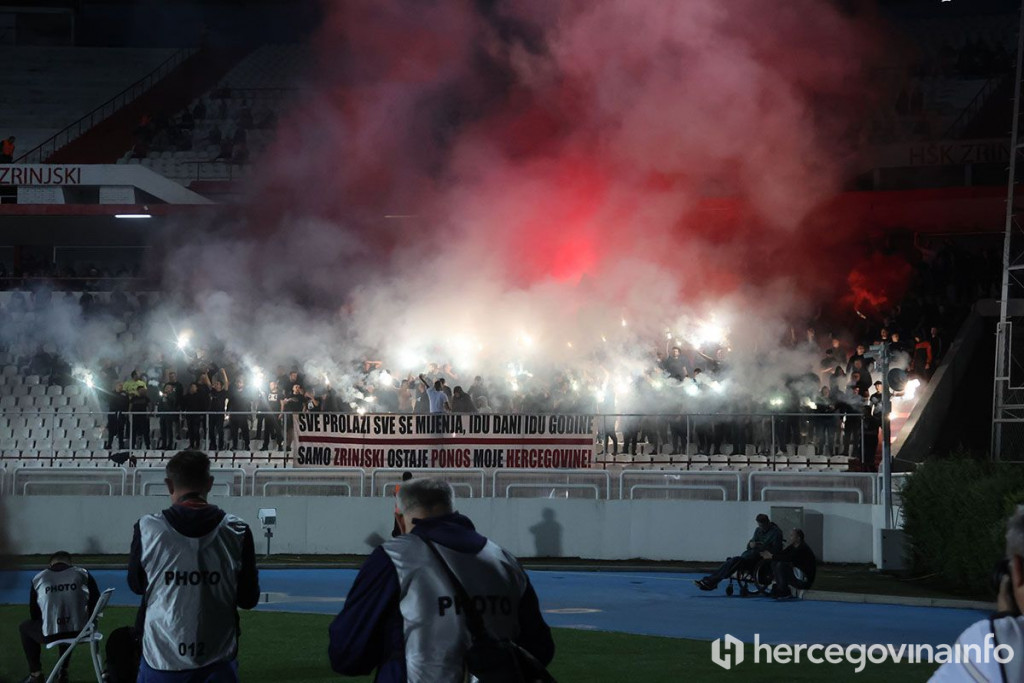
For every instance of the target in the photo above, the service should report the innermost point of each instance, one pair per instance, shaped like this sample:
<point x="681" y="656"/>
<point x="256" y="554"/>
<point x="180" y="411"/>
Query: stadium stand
<point x="945" y="78"/>
<point x="218" y="134"/>
<point x="76" y="81"/>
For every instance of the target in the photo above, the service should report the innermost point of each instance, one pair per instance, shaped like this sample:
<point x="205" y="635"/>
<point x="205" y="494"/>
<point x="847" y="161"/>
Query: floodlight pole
<point x="1003" y="402"/>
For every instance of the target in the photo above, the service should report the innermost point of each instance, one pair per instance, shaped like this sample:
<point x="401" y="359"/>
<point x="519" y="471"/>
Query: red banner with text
<point x="450" y="440"/>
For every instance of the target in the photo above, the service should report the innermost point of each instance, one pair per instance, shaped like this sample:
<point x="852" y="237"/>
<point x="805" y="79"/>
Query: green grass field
<point x="292" y="647"/>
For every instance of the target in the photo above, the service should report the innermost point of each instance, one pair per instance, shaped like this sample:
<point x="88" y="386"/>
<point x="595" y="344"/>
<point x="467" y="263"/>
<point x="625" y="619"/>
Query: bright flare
<point x="709" y="332"/>
<point x="910" y="391"/>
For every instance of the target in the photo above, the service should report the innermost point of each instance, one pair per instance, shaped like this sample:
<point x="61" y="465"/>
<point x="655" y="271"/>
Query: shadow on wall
<point x="547" y="535"/>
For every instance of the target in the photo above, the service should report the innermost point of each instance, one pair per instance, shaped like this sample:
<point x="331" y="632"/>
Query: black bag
<point x="124" y="653"/>
<point x="490" y="659"/>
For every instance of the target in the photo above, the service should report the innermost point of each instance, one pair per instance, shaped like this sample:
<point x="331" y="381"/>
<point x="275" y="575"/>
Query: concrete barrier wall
<point x="604" y="530"/>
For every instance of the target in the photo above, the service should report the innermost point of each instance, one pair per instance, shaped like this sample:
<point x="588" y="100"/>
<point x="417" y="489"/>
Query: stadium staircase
<point x="105" y="142"/>
<point x="955" y="406"/>
<point x="990" y="117"/>
<point x="42" y="90"/>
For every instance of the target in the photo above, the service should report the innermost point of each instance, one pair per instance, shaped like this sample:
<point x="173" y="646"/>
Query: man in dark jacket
<point x="767" y="536"/>
<point x="401" y="615"/>
<point x="61" y="600"/>
<point x="195" y="565"/>
<point x="117" y="410"/>
<point x="795" y="565"/>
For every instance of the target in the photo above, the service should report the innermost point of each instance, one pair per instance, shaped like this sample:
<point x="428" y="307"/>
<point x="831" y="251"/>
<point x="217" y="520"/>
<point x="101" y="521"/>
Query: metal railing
<point x="817" y="487"/>
<point x="41" y="152"/>
<point x="974" y="106"/>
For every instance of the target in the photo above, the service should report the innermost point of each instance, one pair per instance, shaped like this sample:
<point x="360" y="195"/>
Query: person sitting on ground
<point x="794" y="566"/>
<point x="62" y="598"/>
<point x="767" y="536"/>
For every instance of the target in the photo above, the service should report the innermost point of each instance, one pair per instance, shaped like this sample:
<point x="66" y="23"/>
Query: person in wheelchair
<point x="767" y="537"/>
<point x="792" y="567"/>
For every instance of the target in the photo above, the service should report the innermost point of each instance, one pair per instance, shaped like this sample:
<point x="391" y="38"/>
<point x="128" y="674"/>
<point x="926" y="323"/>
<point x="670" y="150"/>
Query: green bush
<point x="955" y="513"/>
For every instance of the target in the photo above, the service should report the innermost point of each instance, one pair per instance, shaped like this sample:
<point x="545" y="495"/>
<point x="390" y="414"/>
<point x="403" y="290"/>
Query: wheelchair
<point x="752" y="579"/>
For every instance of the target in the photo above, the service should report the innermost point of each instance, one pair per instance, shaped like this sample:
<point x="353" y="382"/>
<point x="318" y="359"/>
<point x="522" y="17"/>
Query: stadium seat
<point x="7" y="402"/>
<point x="797" y="462"/>
<point x="56" y="401"/>
<point x="55" y="390"/>
<point x="758" y="462"/>
<point x="32" y="380"/>
<point x="37" y="390"/>
<point x="72" y="390"/>
<point x="26" y="401"/>
<point x="818" y="462"/>
<point x="698" y="462"/>
<point x="840" y="463"/>
<point x="719" y="461"/>
<point x="19" y="390"/>
<point x="738" y="462"/>
<point x="781" y="462"/>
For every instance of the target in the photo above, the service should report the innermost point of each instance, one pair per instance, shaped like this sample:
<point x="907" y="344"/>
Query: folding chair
<point x="89" y="632"/>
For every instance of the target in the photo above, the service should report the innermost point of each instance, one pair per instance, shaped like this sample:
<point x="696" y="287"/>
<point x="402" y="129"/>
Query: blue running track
<point x="644" y="603"/>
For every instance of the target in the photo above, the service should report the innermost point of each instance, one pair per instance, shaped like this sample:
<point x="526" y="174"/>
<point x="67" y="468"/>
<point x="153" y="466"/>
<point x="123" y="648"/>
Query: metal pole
<point x="1001" y="379"/>
<point x="886" y="439"/>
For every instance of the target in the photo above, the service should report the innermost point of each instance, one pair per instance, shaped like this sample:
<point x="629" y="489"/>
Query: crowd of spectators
<point x="685" y="396"/>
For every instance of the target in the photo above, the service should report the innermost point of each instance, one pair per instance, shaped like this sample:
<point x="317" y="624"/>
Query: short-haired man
<point x="61" y="600"/>
<point x="401" y="616"/>
<point x="436" y="396"/>
<point x="767" y="536"/>
<point x="194" y="564"/>
<point x="793" y="567"/>
<point x="1001" y="634"/>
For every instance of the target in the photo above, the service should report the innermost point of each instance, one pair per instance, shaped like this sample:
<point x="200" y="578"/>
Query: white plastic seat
<point x="19" y="390"/>
<point x="37" y="390"/>
<point x="26" y="401"/>
<point x="32" y="380"/>
<point x="72" y="390"/>
<point x="818" y="462"/>
<point x="55" y="390"/>
<point x="698" y="462"/>
<point x="839" y="463"/>
<point x="56" y="401"/>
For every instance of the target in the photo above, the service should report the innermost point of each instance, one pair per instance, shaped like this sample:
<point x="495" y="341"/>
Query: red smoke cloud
<point x="535" y="140"/>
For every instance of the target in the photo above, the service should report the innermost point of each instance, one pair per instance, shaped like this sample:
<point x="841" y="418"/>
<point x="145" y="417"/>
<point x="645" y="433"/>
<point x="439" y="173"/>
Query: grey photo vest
<point x="434" y="625"/>
<point x="192" y="592"/>
<point x="1009" y="631"/>
<point x="63" y="598"/>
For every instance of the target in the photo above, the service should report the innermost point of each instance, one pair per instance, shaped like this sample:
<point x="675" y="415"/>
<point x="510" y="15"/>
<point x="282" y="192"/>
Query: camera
<point x="1000" y="572"/>
<point x="268" y="516"/>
